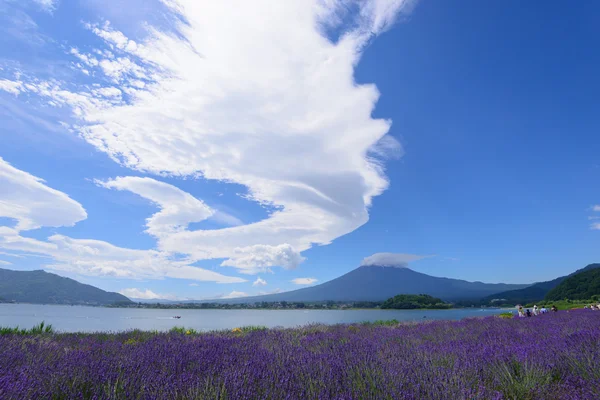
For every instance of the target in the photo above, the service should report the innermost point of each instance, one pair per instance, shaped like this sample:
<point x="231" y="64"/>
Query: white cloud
<point x="304" y="281"/>
<point x="234" y="295"/>
<point x="271" y="292"/>
<point x="115" y="38"/>
<point x="194" y="284"/>
<point x="259" y="282"/>
<point x="11" y="254"/>
<point x="259" y="258"/>
<point x="596" y="208"/>
<point x="178" y="208"/>
<point x="98" y="258"/>
<point x="87" y="59"/>
<point x="26" y="199"/>
<point x="47" y="5"/>
<point x="14" y="87"/>
<point x="32" y="204"/>
<point x="253" y="95"/>
<point x="596" y="226"/>
<point x="134" y="293"/>
<point x="390" y="260"/>
<point x="226" y="219"/>
<point x="2" y="262"/>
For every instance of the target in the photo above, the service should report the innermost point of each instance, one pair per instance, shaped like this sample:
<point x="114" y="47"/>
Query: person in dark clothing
<point x="554" y="309"/>
<point x="528" y="312"/>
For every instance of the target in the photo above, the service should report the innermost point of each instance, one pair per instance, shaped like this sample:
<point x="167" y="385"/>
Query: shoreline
<point x="257" y="308"/>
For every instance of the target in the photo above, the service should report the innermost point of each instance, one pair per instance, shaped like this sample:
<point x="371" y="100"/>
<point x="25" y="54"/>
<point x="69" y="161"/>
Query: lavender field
<point x="554" y="356"/>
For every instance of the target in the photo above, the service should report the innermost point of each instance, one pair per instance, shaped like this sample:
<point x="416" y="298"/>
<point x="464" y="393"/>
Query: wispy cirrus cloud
<point x="47" y="5"/>
<point x="259" y="97"/>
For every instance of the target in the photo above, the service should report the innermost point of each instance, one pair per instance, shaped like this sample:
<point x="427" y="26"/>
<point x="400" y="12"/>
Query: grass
<point x="562" y="304"/>
<point x="39" y="329"/>
<point x="191" y="331"/>
<point x="382" y="322"/>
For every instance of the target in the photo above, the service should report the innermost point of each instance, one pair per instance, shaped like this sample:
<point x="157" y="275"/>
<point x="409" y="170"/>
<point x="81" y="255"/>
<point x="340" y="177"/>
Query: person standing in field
<point x="520" y="310"/>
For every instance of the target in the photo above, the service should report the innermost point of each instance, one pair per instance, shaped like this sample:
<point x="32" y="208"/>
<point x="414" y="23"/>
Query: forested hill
<point x="581" y="286"/>
<point x="41" y="287"/>
<point x="535" y="292"/>
<point x="414" y="301"/>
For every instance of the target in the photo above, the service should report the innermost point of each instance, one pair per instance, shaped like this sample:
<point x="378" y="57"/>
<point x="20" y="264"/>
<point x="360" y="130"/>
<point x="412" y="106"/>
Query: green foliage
<point x="507" y="315"/>
<point x="382" y="322"/>
<point x="561" y="304"/>
<point x="581" y="286"/>
<point x="184" y="331"/>
<point x="244" y="329"/>
<point x="177" y="329"/>
<point x="414" y="301"/>
<point x="519" y="380"/>
<point x="253" y="328"/>
<point x="39" y="329"/>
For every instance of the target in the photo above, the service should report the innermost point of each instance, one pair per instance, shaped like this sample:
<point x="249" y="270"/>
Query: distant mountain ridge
<point x="537" y="291"/>
<point x="376" y="283"/>
<point x="40" y="287"/>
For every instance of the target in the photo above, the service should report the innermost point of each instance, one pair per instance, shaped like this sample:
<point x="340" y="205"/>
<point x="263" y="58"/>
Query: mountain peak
<point x="43" y="287"/>
<point x="399" y="266"/>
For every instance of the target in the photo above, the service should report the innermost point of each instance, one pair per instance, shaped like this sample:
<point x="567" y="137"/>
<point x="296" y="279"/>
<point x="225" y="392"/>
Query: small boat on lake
<point x="177" y="316"/>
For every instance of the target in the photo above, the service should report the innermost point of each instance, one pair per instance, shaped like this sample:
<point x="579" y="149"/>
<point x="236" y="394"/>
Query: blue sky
<point x="187" y="149"/>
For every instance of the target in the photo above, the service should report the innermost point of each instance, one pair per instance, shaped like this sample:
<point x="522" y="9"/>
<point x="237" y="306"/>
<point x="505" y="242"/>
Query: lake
<point x="93" y="319"/>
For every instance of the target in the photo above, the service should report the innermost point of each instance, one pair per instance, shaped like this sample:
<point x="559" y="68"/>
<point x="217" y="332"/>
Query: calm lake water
<point x="92" y="319"/>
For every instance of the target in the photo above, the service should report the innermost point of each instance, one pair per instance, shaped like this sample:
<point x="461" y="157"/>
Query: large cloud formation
<point x="252" y="93"/>
<point x="32" y="204"/>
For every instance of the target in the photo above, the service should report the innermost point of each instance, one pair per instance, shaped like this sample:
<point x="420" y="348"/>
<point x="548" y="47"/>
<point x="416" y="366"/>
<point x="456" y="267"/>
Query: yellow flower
<point x="236" y="330"/>
<point x="188" y="333"/>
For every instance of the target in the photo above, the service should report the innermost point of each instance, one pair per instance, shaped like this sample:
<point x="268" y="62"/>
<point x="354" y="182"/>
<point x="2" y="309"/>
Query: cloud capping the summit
<point x="397" y="260"/>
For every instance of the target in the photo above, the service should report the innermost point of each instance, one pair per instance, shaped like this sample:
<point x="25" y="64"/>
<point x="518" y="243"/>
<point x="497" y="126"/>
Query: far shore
<point x="167" y="307"/>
